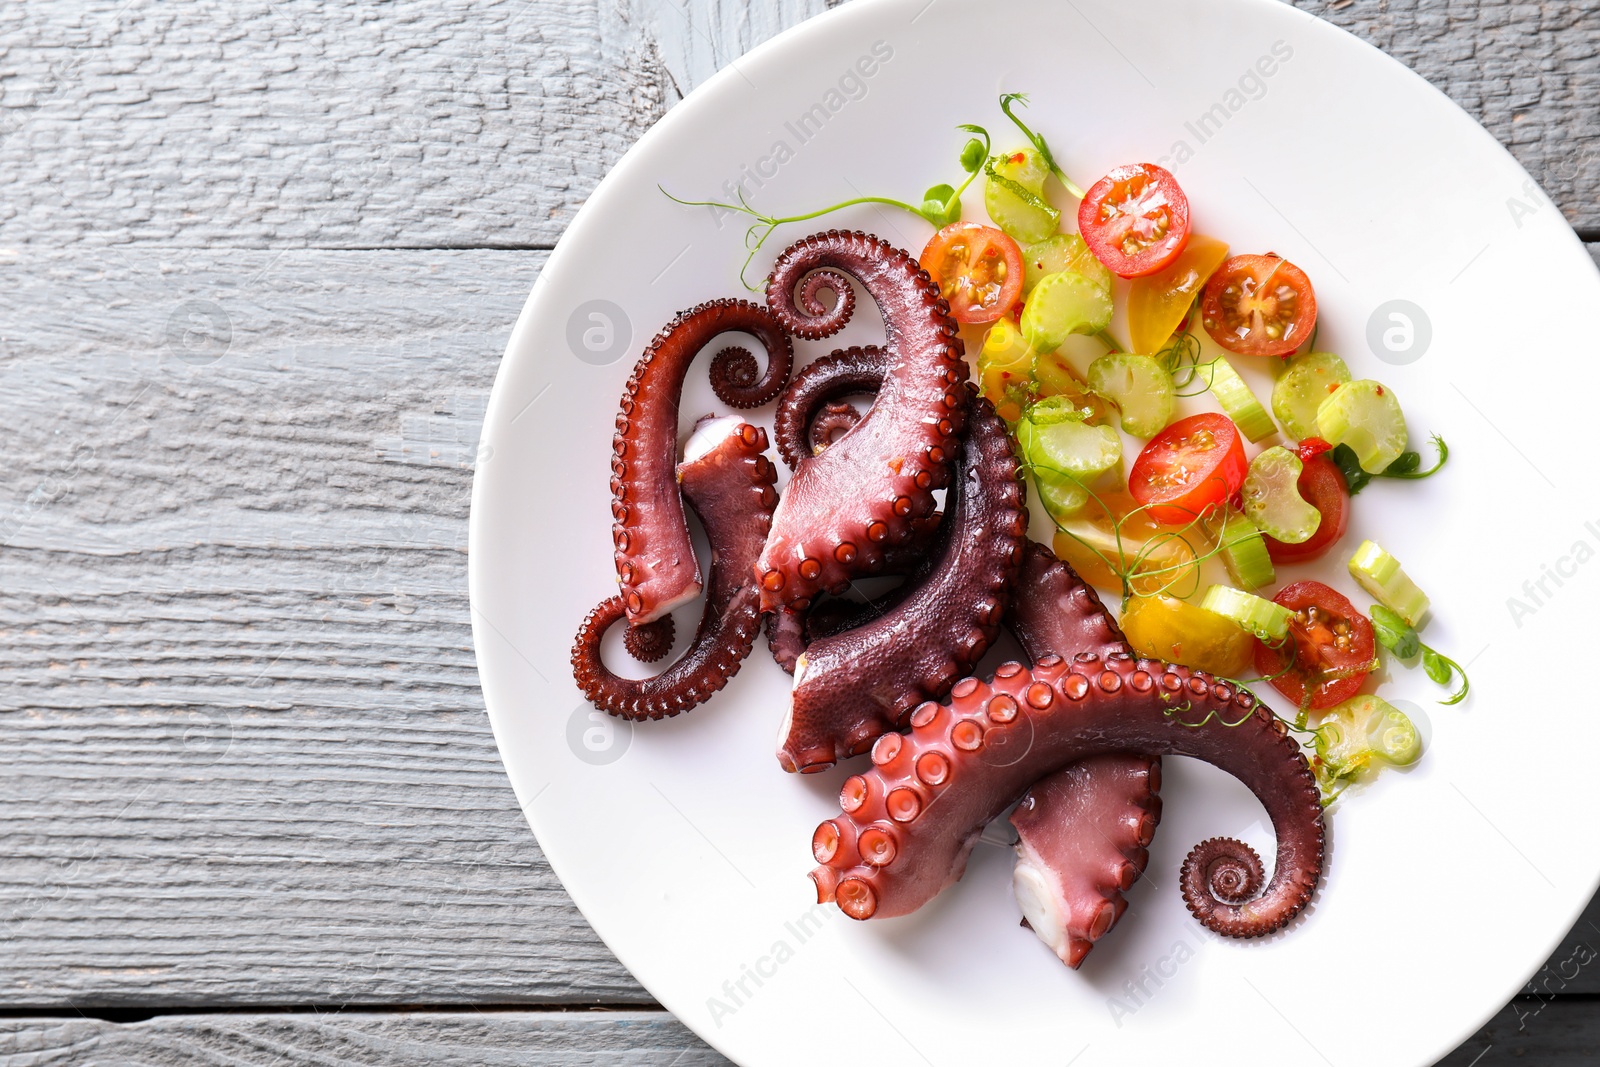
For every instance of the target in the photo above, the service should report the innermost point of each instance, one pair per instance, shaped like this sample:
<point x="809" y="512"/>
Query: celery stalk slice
<point x="1381" y="575"/>
<point x="1239" y="403"/>
<point x="1260" y="616"/>
<point x="1306" y="382"/>
<point x="1244" y="552"/>
<point x="1365" y="416"/>
<point x="1272" y="499"/>
<point x="1140" y="387"/>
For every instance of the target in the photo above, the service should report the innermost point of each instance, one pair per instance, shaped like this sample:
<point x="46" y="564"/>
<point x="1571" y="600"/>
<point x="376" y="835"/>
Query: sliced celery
<point x="1354" y="733"/>
<point x="1261" y="617"/>
<point x="1013" y="194"/>
<point x="1272" y="497"/>
<point x="1244" y="552"/>
<point x="1064" y="453"/>
<point x="1239" y="402"/>
<point x="1061" y="305"/>
<point x="1364" y="415"/>
<point x="1381" y="575"/>
<point x="1306" y="382"/>
<point x="1140" y="387"/>
<point x="1059" y="252"/>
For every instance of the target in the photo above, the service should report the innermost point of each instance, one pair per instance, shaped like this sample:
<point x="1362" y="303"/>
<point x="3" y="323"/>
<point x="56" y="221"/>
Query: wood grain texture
<point x="299" y="123"/>
<point x="360" y="1039"/>
<point x="248" y="759"/>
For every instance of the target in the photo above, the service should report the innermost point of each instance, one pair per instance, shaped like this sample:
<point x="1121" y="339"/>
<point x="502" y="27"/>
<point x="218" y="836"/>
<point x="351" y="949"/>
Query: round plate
<point x="687" y="847"/>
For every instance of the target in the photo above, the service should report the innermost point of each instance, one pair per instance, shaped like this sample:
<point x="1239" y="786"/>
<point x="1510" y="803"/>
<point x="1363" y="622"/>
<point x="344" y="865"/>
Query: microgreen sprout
<point x="940" y="205"/>
<point x="1401" y="639"/>
<point x="1006" y="100"/>
<point x="1406" y="465"/>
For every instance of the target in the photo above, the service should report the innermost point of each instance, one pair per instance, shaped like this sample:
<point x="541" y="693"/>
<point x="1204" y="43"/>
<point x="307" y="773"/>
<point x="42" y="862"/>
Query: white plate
<point x="685" y="845"/>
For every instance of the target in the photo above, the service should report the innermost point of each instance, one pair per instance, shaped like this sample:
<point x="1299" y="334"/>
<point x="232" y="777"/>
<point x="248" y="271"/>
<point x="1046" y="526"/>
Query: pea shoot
<point x="1400" y="638"/>
<point x="1407" y="465"/>
<point x="1038" y="142"/>
<point x="940" y="205"/>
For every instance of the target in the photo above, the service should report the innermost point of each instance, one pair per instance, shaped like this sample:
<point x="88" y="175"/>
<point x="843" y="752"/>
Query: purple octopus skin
<point x="1083" y="837"/>
<point x="729" y="483"/>
<point x="790" y="631"/>
<point x="862" y="494"/>
<point x="805" y="418"/>
<point x="854" y="686"/>
<point x="1083" y="834"/>
<point x="655" y="559"/>
<point x="910" y="822"/>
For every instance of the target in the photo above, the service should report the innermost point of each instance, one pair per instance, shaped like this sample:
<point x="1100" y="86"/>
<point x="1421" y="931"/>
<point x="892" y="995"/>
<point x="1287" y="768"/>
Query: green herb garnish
<point x="1401" y="639"/>
<point x="1405" y="466"/>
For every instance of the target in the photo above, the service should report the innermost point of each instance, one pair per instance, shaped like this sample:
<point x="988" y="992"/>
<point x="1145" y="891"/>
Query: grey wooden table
<point x="258" y="262"/>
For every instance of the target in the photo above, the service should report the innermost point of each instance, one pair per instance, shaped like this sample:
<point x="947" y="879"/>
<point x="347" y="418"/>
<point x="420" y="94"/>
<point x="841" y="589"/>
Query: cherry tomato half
<point x="1135" y="219"/>
<point x="1189" y="468"/>
<point x="1259" y="306"/>
<point x="1322" y="486"/>
<point x="978" y="270"/>
<point x="1333" y="648"/>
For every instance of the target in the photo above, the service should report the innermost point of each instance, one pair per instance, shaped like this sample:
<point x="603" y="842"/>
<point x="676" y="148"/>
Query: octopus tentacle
<point x="852" y="687"/>
<point x="1220" y="869"/>
<point x="729" y="483"/>
<point x="859" y="369"/>
<point x="863" y="493"/>
<point x="1084" y="832"/>
<point x="910" y="822"/>
<point x="832" y="422"/>
<point x="1083" y="839"/>
<point x="649" y="641"/>
<point x="656" y="566"/>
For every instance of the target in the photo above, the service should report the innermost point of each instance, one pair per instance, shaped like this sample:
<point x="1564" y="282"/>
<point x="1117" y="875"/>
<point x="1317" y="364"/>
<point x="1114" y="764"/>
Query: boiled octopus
<point x="808" y="420"/>
<point x="656" y="565"/>
<point x="910" y="822"/>
<point x="855" y="685"/>
<point x="728" y="482"/>
<point x="1083" y="833"/>
<point x="865" y="491"/>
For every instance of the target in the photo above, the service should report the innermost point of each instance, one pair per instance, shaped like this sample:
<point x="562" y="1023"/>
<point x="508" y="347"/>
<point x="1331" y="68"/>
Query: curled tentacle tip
<point x="648" y="642"/>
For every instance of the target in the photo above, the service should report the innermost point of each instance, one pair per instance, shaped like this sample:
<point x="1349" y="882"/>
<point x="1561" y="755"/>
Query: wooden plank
<point x="297" y="123"/>
<point x="247" y="758"/>
<point x="387" y="1039"/>
<point x="1554" y="1033"/>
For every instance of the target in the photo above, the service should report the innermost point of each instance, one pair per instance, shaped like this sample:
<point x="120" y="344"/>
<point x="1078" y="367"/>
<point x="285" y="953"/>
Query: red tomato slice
<point x="1323" y="488"/>
<point x="978" y="270"/>
<point x="1259" y="306"/>
<point x="1135" y="219"/>
<point x="1333" y="648"/>
<point x="1189" y="468"/>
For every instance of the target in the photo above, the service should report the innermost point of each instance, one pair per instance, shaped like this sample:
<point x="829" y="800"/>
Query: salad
<point x="1168" y="480"/>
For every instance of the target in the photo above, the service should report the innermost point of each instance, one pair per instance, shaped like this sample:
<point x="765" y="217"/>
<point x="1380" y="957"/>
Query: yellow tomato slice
<point x="1158" y="302"/>
<point x="1152" y="556"/>
<point x="1164" y="627"/>
<point x="1005" y="369"/>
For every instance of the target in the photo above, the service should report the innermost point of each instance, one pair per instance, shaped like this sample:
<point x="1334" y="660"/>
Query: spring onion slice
<point x="1260" y="616"/>
<point x="1239" y="403"/>
<point x="1381" y="575"/>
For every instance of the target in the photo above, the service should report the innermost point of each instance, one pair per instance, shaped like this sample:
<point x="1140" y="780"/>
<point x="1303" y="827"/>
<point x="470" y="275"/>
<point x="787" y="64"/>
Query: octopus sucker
<point x="728" y="482"/>
<point x="875" y="481"/>
<point x="655" y="560"/>
<point x="1067" y="711"/>
<point x="854" y="685"/>
<point x="806" y="419"/>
